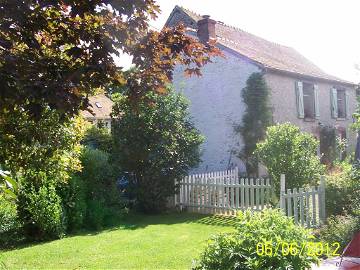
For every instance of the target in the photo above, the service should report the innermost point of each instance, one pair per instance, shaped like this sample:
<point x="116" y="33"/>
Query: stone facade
<point x="216" y="108"/>
<point x="283" y="102"/>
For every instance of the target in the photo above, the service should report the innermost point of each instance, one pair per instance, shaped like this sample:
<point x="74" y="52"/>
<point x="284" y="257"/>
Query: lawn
<point x="168" y="241"/>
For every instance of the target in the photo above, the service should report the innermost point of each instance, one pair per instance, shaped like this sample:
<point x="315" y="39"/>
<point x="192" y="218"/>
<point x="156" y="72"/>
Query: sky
<point x="325" y="32"/>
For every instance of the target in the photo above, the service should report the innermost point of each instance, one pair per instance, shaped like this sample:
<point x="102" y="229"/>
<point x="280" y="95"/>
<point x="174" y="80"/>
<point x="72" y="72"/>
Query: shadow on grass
<point x="134" y="221"/>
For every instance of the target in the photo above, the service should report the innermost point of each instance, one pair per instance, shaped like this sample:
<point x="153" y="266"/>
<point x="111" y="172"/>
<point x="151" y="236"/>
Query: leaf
<point x="10" y="193"/>
<point x="11" y="183"/>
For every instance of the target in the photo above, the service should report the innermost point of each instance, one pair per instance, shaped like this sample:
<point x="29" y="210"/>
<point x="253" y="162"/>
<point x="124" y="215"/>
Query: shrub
<point x="289" y="151"/>
<point x="9" y="225"/>
<point x="340" y="229"/>
<point x="95" y="215"/>
<point x="99" y="186"/>
<point x="99" y="177"/>
<point x="44" y="152"/>
<point x="339" y="191"/>
<point x="74" y="201"/>
<point x="238" y="250"/>
<point x="156" y="141"/>
<point x="42" y="210"/>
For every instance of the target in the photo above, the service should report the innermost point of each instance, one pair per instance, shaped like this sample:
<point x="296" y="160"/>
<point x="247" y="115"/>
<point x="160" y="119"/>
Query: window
<point x="339" y="103"/>
<point x="309" y="100"/>
<point x="98" y="104"/>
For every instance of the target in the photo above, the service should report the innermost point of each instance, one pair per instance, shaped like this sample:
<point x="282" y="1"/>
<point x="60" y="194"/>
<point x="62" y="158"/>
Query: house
<point x="100" y="110"/>
<point x="301" y="93"/>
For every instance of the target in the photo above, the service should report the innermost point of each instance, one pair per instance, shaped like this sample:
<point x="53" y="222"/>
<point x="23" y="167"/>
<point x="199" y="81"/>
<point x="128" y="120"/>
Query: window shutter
<point x="334" y="108"/>
<point x="299" y="99"/>
<point x="347" y="108"/>
<point x="316" y="100"/>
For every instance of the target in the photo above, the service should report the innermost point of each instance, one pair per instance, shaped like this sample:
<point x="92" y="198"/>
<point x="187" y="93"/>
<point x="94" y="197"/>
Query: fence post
<point x="322" y="199"/>
<point x="282" y="191"/>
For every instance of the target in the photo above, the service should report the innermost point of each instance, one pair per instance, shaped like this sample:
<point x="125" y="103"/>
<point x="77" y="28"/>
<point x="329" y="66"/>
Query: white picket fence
<point x="306" y="206"/>
<point x="222" y="192"/>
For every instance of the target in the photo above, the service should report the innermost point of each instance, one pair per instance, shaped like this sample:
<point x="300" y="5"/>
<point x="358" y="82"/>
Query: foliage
<point x="342" y="190"/>
<point x="355" y="187"/>
<point x="7" y="184"/>
<point x="239" y="250"/>
<point x="99" y="138"/>
<point x="44" y="153"/>
<point x="45" y="211"/>
<point x="340" y="229"/>
<point x="328" y="145"/>
<point x="95" y="215"/>
<point x="46" y="145"/>
<point x="9" y="225"/>
<point x="158" y="143"/>
<point x="73" y="196"/>
<point x="98" y="180"/>
<point x="57" y="52"/>
<point x="256" y="119"/>
<point x="287" y="150"/>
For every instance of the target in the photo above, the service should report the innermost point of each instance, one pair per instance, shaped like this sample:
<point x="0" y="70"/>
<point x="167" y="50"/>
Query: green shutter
<point x="316" y="100"/>
<point x="347" y="108"/>
<point x="334" y="107"/>
<point x="299" y="99"/>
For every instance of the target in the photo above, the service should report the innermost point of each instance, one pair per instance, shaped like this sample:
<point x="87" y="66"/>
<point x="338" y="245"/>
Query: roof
<point x="101" y="107"/>
<point x="268" y="54"/>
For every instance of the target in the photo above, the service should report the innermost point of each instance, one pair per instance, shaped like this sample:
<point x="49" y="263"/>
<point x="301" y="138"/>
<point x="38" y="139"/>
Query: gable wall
<point x="216" y="106"/>
<point x="283" y="100"/>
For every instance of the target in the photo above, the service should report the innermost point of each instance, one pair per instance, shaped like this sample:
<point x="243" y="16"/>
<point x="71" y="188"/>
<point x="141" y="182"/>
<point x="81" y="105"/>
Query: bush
<point x="156" y="141"/>
<point x="9" y="225"/>
<point x="239" y="250"/>
<point x="340" y="229"/>
<point x="99" y="186"/>
<point x="339" y="193"/>
<point x="44" y="152"/>
<point x="95" y="215"/>
<point x="45" y="212"/>
<point x="74" y="201"/>
<point x="289" y="151"/>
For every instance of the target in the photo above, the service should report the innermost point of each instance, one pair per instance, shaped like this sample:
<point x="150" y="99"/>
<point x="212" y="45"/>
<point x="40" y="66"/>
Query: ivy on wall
<point x="256" y="119"/>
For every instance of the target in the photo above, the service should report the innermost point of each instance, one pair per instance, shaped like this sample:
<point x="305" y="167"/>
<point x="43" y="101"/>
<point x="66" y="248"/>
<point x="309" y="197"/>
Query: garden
<point x="76" y="195"/>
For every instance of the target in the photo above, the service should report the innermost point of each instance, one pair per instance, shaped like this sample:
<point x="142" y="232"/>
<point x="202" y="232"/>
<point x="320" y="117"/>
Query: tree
<point x="256" y="119"/>
<point x="158" y="143"/>
<point x="55" y="53"/>
<point x="41" y="154"/>
<point x="287" y="150"/>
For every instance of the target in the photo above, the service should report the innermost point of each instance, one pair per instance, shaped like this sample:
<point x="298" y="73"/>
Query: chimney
<point x="206" y="29"/>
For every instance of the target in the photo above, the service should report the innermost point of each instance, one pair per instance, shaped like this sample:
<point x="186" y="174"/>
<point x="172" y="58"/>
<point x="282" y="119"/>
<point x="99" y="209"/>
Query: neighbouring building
<point x="301" y="93"/>
<point x="100" y="110"/>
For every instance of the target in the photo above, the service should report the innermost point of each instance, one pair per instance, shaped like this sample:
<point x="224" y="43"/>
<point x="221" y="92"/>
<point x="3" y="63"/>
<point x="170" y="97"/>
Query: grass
<point x="168" y="241"/>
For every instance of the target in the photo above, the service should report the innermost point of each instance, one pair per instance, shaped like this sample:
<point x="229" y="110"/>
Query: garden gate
<point x="222" y="192"/>
<point x="306" y="206"/>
